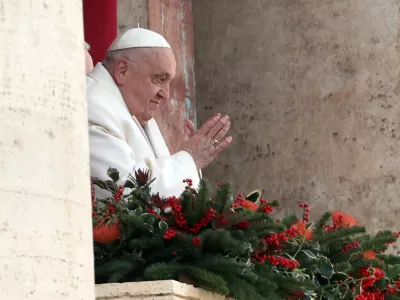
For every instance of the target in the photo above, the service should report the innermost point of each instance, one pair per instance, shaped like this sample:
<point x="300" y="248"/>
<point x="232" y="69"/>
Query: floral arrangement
<point x="234" y="246"/>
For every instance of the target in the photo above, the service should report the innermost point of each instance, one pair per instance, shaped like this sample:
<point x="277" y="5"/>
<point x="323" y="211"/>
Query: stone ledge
<point x="153" y="290"/>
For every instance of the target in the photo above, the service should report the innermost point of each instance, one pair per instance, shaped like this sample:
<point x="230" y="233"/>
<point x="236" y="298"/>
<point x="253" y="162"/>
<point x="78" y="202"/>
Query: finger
<point x="217" y="127"/>
<point x="186" y="133"/>
<point x="222" y="145"/>
<point x="221" y="134"/>
<point x="190" y="126"/>
<point x="206" y="127"/>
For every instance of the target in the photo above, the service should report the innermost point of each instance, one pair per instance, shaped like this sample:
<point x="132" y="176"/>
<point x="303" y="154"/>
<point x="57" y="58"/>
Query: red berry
<point x="196" y="241"/>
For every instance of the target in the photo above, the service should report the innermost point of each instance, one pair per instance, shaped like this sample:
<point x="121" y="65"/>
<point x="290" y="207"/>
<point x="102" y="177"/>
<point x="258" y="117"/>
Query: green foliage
<point x="289" y="220"/>
<point x="207" y="280"/>
<point x="223" y="199"/>
<point x="254" y="196"/>
<point x="235" y="248"/>
<point x="163" y="271"/>
<point x="221" y="241"/>
<point x="203" y="202"/>
<point x="113" y="174"/>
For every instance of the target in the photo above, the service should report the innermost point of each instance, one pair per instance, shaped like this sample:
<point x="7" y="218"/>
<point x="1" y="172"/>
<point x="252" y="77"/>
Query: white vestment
<point x="117" y="140"/>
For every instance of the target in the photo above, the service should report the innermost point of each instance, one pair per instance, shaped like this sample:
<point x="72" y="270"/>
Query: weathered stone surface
<point x="132" y="12"/>
<point x="154" y="290"/>
<point x="312" y="88"/>
<point x="45" y="216"/>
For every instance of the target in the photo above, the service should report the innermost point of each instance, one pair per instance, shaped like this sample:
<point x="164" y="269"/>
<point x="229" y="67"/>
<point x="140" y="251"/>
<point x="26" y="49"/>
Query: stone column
<point x="313" y="91"/>
<point x="45" y="212"/>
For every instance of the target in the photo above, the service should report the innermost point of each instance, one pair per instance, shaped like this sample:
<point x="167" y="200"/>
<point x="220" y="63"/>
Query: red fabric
<point x="101" y="27"/>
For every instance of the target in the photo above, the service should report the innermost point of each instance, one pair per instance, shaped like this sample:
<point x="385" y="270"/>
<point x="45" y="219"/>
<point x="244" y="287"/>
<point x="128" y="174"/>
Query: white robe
<point x="117" y="140"/>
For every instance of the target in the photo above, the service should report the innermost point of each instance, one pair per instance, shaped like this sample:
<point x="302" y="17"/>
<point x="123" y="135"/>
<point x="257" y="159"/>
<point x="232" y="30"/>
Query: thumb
<point x="189" y="128"/>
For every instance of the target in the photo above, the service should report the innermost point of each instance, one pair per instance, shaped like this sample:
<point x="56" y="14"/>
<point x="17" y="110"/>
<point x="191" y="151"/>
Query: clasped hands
<point x="208" y="142"/>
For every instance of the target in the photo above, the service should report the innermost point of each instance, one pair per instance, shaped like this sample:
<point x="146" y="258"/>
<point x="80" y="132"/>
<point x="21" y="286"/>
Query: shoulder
<point x="106" y="107"/>
<point x="100" y="109"/>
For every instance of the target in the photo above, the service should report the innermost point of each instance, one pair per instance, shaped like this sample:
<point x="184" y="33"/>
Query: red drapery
<point x="100" y="21"/>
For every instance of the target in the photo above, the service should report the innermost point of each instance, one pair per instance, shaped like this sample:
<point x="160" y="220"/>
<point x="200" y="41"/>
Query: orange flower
<point x="301" y="226"/>
<point x="370" y="254"/>
<point x="106" y="233"/>
<point x="247" y="204"/>
<point x="343" y="220"/>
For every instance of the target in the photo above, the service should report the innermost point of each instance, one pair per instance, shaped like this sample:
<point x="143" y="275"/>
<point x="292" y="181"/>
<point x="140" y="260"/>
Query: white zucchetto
<point x="139" y="38"/>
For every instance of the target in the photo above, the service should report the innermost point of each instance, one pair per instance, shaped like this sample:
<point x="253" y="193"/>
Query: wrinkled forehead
<point x="161" y="58"/>
<point x="153" y="59"/>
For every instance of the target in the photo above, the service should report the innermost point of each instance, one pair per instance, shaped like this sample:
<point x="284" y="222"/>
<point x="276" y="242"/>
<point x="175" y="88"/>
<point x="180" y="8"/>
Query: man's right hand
<point x="208" y="142"/>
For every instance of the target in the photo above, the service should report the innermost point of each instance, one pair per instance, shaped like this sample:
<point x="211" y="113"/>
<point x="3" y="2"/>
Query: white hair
<point x="87" y="46"/>
<point x="131" y="54"/>
<point x="115" y="55"/>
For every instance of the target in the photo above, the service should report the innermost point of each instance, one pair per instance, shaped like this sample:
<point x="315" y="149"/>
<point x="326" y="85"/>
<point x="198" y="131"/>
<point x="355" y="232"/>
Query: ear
<point x="120" y="71"/>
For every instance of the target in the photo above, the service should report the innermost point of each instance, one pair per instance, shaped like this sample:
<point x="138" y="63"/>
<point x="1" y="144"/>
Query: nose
<point x="164" y="92"/>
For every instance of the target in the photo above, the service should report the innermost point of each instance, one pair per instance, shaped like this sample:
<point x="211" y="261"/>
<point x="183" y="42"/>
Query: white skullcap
<point x="139" y="38"/>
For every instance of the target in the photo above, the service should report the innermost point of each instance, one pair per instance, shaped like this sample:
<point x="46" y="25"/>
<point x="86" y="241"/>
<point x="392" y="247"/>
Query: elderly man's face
<point x="147" y="81"/>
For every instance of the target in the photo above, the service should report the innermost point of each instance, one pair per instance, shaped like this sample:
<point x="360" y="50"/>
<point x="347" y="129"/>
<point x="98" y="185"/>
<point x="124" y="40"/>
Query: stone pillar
<point x="45" y="215"/>
<point x="313" y="91"/>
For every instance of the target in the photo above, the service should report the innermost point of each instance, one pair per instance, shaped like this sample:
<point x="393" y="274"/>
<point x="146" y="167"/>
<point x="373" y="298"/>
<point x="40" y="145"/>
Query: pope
<point x="124" y="93"/>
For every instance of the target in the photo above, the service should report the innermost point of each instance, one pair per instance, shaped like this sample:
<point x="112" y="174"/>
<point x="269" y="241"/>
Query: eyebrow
<point x="167" y="75"/>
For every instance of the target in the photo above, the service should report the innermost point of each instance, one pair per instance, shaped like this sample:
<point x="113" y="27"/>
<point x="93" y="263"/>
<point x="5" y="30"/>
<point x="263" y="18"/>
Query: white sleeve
<point x="108" y="151"/>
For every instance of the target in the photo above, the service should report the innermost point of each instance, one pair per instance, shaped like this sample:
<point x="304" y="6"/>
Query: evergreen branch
<point x="322" y="221"/>
<point x="389" y="259"/>
<point x="289" y="220"/>
<point x="207" y="280"/>
<point x="332" y="238"/>
<point x="203" y="196"/>
<point x="146" y="243"/>
<point x="356" y="265"/>
<point x="189" y="208"/>
<point x="221" y="241"/>
<point x="116" y="270"/>
<point x="242" y="290"/>
<point x="224" y="198"/>
<point x="163" y="271"/>
<point x="223" y="265"/>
